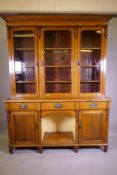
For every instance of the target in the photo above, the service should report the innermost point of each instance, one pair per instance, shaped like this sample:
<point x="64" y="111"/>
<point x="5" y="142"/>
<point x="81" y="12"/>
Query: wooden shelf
<point x="86" y="81"/>
<point x="23" y="82"/>
<point x="58" y="81"/>
<point x="59" y="138"/>
<point x="23" y="35"/>
<point x="58" y="66"/>
<point x="26" y="66"/>
<point x="89" y="66"/>
<point x="90" y="48"/>
<point x="57" y="49"/>
<point x="23" y="49"/>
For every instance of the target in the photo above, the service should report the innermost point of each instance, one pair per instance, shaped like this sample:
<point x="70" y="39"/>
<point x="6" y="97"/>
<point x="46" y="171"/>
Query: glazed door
<point x="91" y="127"/>
<point x="25" y="67"/>
<point x="24" y="128"/>
<point x="58" y="60"/>
<point x="91" y="61"/>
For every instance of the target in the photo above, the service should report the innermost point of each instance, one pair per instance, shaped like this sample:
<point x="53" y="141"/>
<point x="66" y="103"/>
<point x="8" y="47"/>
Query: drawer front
<point x="93" y="105"/>
<point x="58" y="113"/>
<point x="24" y="106"/>
<point x="58" y="106"/>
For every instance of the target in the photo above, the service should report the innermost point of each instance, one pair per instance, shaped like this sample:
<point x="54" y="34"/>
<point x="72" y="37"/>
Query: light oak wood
<point x="24" y="128"/>
<point x="93" y="105"/>
<point x="56" y="20"/>
<point x="89" y="110"/>
<point x="58" y="138"/>
<point x="24" y="106"/>
<point x="56" y="113"/>
<point x="91" y="127"/>
<point x="58" y="106"/>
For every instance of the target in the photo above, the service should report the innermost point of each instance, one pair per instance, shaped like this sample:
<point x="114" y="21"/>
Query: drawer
<point x="24" y="106"/>
<point x="58" y="106"/>
<point x="93" y="105"/>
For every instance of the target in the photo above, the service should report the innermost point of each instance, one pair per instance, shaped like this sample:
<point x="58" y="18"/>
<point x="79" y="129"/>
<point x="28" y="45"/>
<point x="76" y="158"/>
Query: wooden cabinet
<point x="57" y="66"/>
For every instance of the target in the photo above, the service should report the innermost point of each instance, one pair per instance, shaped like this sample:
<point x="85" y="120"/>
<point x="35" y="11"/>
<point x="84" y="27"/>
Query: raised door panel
<point x="91" y="127"/>
<point x="24" y="128"/>
<point x="57" y="45"/>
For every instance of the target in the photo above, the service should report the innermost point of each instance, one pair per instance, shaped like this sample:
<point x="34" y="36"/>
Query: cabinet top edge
<point x="17" y="100"/>
<point x="55" y="19"/>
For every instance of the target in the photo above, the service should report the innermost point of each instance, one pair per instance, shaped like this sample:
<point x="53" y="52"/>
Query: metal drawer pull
<point x="23" y="106"/>
<point x="58" y="105"/>
<point x="93" y="105"/>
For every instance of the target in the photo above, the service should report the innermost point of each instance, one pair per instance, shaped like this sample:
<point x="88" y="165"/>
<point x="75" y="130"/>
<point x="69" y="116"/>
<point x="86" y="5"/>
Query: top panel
<point x="56" y="20"/>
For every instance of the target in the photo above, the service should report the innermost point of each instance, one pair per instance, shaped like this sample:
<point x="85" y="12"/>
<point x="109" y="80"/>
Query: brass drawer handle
<point x="23" y="106"/>
<point x="93" y="105"/>
<point x="58" y="105"/>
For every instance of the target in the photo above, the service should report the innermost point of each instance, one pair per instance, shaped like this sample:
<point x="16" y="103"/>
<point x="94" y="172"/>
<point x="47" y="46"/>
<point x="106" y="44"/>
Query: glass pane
<point x="90" y="87"/>
<point x="24" y="39"/>
<point x="57" y="39"/>
<point x="24" y="61"/>
<point x="91" y="39"/>
<point x="57" y="61"/>
<point x="58" y="87"/>
<point x="25" y="88"/>
<point x="90" y="56"/>
<point x="90" y="73"/>
<point x="57" y="58"/>
<point x="58" y="74"/>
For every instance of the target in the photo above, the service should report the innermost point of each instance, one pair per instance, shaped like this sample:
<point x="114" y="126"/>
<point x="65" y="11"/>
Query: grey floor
<point x="58" y="161"/>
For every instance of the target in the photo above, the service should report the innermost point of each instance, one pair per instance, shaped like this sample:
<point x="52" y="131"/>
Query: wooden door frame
<point x="41" y="60"/>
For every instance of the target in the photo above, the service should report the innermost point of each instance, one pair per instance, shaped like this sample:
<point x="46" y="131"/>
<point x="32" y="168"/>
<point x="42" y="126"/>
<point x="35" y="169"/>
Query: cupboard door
<point x="24" y="128"/>
<point x="92" y="57"/>
<point x="58" y="43"/>
<point x="91" y="127"/>
<point x="25" y="60"/>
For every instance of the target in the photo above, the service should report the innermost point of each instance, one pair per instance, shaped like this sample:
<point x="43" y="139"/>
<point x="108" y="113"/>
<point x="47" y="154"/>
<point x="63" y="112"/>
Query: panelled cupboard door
<point x="92" y="127"/>
<point x="91" y="51"/>
<point x="24" y="128"/>
<point x="56" y="51"/>
<point x="23" y="61"/>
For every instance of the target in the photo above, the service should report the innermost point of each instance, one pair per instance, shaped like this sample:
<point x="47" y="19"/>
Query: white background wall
<point x="104" y="6"/>
<point x="61" y="6"/>
<point x="111" y="76"/>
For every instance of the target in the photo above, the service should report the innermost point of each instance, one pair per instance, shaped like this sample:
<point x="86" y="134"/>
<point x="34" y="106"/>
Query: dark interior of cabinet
<point x="24" y="61"/>
<point x="57" y="39"/>
<point x="57" y="61"/>
<point x="90" y="61"/>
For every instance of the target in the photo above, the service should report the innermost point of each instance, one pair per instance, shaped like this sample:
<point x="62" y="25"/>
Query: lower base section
<point x="40" y="148"/>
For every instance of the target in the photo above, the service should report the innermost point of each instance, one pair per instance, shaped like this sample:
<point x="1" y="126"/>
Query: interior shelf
<point x="88" y="81"/>
<point x="90" y="66"/>
<point x="23" y="49"/>
<point x="23" y="35"/>
<point x="90" y="48"/>
<point x="57" y="49"/>
<point x="28" y="66"/>
<point x="21" y="82"/>
<point x="59" y="138"/>
<point x="51" y="66"/>
<point x="58" y="81"/>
